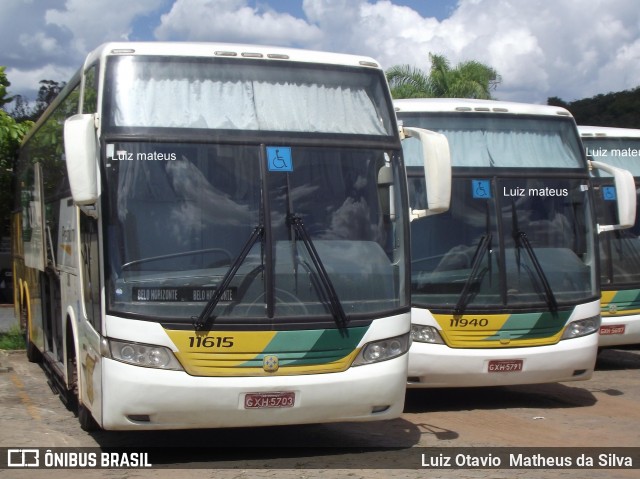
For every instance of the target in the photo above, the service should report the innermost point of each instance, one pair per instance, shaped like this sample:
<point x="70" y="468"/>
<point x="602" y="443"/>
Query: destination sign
<point x="184" y="294"/>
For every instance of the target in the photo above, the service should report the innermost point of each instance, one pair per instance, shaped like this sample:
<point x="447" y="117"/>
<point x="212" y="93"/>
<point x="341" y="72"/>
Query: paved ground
<point x="601" y="412"/>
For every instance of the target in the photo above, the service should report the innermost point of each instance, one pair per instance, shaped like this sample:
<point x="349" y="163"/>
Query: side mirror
<point x="81" y="155"/>
<point x="436" y="157"/>
<point x="625" y="196"/>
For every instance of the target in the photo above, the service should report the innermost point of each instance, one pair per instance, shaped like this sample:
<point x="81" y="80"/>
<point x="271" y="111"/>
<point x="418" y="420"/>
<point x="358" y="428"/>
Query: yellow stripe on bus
<point x="229" y="353"/>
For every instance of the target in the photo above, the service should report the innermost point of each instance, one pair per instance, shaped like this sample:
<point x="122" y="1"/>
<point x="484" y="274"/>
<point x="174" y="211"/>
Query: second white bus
<point x="505" y="285"/>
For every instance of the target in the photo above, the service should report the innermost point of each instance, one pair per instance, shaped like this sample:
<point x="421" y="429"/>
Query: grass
<point x="12" y="339"/>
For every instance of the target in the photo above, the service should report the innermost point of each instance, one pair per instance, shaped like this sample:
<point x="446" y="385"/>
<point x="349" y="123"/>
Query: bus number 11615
<point x="210" y="341"/>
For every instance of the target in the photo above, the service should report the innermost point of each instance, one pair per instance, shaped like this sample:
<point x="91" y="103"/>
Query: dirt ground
<point x="603" y="412"/>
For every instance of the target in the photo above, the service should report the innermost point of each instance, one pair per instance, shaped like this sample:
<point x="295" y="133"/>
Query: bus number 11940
<point x="468" y="323"/>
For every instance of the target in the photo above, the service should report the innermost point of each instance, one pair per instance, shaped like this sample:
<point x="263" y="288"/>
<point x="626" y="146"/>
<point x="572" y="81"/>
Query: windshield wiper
<point x="483" y="247"/>
<point x="332" y="297"/>
<point x="520" y="238"/>
<point x="205" y="319"/>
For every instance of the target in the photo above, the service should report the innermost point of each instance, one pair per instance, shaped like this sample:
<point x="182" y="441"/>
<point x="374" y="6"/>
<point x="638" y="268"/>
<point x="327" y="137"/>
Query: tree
<point x="470" y="79"/>
<point x="618" y="109"/>
<point x="4" y="84"/>
<point x="11" y="133"/>
<point x="21" y="109"/>
<point x="48" y="91"/>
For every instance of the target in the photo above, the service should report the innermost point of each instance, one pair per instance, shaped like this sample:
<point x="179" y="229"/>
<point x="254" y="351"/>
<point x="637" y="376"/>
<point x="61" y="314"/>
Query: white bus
<point x="619" y="249"/>
<point x="213" y="235"/>
<point x="505" y="284"/>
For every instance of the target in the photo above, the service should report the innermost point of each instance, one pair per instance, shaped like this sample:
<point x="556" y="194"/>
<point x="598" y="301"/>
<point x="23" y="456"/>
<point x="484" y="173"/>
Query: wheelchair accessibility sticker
<point x="609" y="193"/>
<point x="481" y="188"/>
<point x="279" y="158"/>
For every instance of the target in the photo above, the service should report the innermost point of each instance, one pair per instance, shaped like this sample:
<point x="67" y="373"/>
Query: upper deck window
<point x="505" y="141"/>
<point x="212" y="93"/>
<point x="620" y="152"/>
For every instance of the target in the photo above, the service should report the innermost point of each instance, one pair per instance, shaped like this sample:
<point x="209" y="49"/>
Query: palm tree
<point x="470" y="79"/>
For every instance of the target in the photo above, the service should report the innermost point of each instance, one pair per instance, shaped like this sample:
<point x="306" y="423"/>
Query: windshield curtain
<point x="482" y="233"/>
<point x="620" y="152"/>
<point x="179" y="215"/>
<point x="499" y="140"/>
<point x="246" y="95"/>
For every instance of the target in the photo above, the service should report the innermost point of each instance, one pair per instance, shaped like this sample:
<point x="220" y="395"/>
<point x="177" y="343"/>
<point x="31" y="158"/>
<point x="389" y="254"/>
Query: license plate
<point x="269" y="400"/>
<point x="505" y="365"/>
<point x="613" y="329"/>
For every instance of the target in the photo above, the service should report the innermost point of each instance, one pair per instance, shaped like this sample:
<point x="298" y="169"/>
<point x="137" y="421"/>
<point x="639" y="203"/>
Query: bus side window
<point x="90" y="92"/>
<point x="90" y="264"/>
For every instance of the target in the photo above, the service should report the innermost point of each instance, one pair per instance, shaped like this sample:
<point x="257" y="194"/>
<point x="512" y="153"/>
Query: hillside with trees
<point x="620" y="109"/>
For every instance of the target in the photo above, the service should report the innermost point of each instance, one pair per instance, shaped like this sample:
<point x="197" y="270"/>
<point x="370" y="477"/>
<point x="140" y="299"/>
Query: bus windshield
<point x="518" y="234"/>
<point x="180" y="215"/>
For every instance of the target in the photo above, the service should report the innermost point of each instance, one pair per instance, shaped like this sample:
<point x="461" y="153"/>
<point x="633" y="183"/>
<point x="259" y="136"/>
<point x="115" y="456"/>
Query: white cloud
<point x="542" y="48"/>
<point x="96" y="22"/>
<point x="51" y="37"/>
<point x="32" y="77"/>
<point x="233" y="21"/>
<point x="25" y="38"/>
<point x="39" y="41"/>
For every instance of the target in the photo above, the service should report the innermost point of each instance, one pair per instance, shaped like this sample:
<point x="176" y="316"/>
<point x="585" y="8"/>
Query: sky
<point x="570" y="49"/>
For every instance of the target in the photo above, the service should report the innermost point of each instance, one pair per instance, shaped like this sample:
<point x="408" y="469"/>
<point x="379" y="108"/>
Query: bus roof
<point x="228" y="50"/>
<point x="607" y="132"/>
<point x="458" y="105"/>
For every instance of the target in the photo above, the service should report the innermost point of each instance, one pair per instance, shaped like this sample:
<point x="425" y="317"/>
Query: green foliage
<point x="48" y="92"/>
<point x="620" y="109"/>
<point x="11" y="133"/>
<point x="470" y="79"/>
<point x="12" y="339"/>
<point x="4" y="84"/>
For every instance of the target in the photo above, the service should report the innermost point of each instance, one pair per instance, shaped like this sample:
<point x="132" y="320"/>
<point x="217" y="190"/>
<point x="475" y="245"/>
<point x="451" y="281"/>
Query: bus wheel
<point x="33" y="354"/>
<point x="87" y="423"/>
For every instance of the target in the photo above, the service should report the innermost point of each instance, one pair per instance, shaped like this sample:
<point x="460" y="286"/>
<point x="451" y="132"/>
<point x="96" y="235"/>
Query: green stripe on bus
<point x="533" y="325"/>
<point x="304" y="348"/>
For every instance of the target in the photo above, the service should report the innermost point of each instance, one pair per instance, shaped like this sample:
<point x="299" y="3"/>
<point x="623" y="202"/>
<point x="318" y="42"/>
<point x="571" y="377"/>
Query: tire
<point x="86" y="420"/>
<point x="87" y="423"/>
<point x="33" y="353"/>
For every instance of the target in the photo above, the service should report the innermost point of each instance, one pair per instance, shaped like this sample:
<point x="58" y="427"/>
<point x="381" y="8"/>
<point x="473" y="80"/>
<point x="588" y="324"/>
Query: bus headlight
<point x="582" y="327"/>
<point x="145" y="355"/>
<point x="425" y="334"/>
<point x="383" y="350"/>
